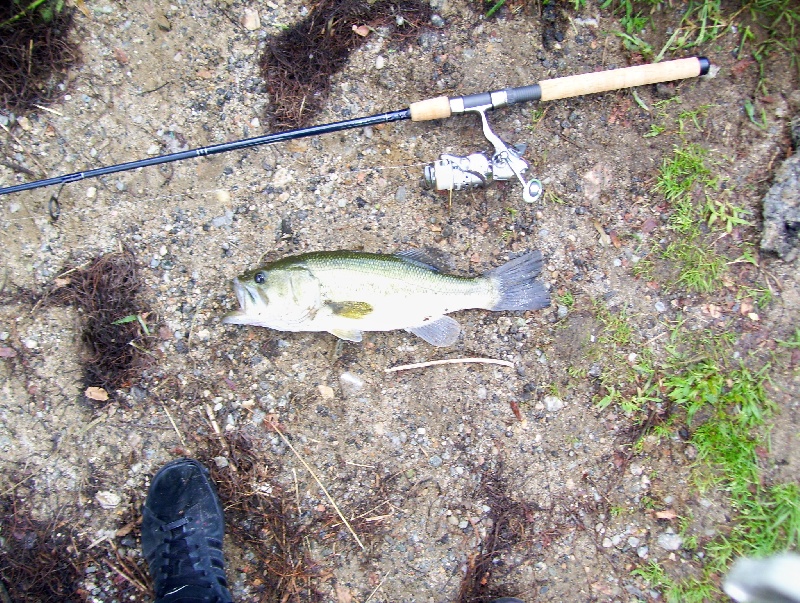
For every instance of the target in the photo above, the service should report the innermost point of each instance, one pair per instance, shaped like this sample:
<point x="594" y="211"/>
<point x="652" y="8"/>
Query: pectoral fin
<point x="347" y="335"/>
<point x="350" y="309"/>
<point x="441" y="332"/>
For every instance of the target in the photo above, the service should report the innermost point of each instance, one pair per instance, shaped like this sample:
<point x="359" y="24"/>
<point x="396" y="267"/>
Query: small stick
<point x="372" y="594"/>
<point x="297" y="491"/>
<point x="175" y="427"/>
<point x="405" y="367"/>
<point x="319" y="483"/>
<point x="215" y="426"/>
<point x="48" y="109"/>
<point x="134" y="582"/>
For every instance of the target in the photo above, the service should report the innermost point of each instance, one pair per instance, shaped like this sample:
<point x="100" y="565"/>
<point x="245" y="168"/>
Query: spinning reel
<point x="453" y="172"/>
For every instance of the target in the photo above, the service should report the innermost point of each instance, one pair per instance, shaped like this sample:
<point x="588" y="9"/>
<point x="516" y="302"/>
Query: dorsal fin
<point x="430" y="258"/>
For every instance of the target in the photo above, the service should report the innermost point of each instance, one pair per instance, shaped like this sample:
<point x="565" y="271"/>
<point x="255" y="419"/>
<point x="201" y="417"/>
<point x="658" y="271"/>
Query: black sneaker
<point x="182" y="528"/>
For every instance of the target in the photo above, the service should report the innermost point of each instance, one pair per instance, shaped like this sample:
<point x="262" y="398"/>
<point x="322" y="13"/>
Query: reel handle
<point x="563" y="87"/>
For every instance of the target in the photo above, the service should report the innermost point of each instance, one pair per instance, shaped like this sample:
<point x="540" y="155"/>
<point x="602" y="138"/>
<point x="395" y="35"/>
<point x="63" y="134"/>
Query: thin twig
<point x="48" y="109"/>
<point x="133" y="581"/>
<point x="372" y="594"/>
<point x="175" y="427"/>
<point x="319" y="483"/>
<point x="404" y="367"/>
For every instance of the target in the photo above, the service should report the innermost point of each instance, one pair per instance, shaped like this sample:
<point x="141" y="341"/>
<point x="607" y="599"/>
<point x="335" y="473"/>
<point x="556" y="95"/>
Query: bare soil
<point x="444" y="472"/>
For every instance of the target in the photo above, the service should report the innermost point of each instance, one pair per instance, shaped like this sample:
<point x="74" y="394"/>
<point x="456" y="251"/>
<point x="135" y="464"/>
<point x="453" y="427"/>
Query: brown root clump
<point x="115" y="331"/>
<point x="510" y="520"/>
<point x="298" y="63"/>
<point x="34" y="565"/>
<point x="262" y="516"/>
<point x="35" y="51"/>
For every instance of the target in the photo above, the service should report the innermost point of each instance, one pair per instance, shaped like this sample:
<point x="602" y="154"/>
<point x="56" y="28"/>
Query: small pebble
<point x="108" y="500"/>
<point x="553" y="403"/>
<point x="435" y="461"/>
<point x="250" y="19"/>
<point x="669" y="541"/>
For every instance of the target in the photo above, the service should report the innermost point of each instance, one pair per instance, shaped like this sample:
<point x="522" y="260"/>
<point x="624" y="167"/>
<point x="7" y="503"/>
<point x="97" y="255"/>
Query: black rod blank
<point x="224" y="147"/>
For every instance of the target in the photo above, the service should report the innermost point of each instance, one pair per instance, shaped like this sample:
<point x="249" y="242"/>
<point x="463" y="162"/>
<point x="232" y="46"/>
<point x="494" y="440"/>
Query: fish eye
<point x="260" y="277"/>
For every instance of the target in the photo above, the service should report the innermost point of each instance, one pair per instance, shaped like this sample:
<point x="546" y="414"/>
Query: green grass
<point x="682" y="171"/>
<point x="700" y="268"/>
<point x="728" y="412"/>
<point x="764" y="27"/>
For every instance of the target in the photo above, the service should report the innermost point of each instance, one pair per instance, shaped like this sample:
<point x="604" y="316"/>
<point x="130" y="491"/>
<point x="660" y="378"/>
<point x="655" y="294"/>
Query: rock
<point x="250" y="20"/>
<point x="162" y="21"/>
<point x="221" y="462"/>
<point x="553" y="403"/>
<point x="108" y="500"/>
<point x="782" y="211"/>
<point x="669" y="541"/>
<point x="435" y="461"/>
<point x="326" y="391"/>
<point x="282" y="177"/>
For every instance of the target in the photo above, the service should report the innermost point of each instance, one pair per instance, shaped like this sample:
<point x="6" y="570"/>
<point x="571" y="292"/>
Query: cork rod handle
<point x="616" y="79"/>
<point x="563" y="87"/>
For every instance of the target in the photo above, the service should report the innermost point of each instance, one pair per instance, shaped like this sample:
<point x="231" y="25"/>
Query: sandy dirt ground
<point x="428" y="464"/>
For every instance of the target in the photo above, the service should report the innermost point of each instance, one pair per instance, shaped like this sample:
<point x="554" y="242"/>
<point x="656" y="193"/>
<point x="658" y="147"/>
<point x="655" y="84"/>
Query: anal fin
<point x="441" y="332"/>
<point x="347" y="334"/>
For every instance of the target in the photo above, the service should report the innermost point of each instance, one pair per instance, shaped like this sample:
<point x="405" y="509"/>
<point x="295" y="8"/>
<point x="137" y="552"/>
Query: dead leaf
<point x="205" y="74"/>
<point x="121" y="56"/>
<point x="124" y="530"/>
<point x="83" y="8"/>
<point x="7" y="352"/>
<point x="515" y="409"/>
<point x="605" y="240"/>
<point x="648" y="225"/>
<point x="96" y="393"/>
<point x="667" y="514"/>
<point x="343" y="594"/>
<point x="361" y="30"/>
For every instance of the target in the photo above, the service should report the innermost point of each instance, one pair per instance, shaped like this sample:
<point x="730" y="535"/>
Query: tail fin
<point x="517" y="285"/>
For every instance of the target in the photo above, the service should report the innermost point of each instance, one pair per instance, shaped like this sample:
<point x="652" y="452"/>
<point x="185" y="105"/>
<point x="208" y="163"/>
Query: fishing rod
<point x="449" y="172"/>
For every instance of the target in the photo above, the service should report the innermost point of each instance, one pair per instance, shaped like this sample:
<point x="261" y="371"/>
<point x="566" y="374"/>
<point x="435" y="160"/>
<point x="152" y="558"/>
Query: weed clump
<point x="115" y="332"/>
<point x="298" y="63"/>
<point x="33" y="566"/>
<point x="35" y="51"/>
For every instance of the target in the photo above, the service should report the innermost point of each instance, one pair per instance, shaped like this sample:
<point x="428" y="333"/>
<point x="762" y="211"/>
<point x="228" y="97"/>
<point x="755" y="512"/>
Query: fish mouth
<point x="251" y="302"/>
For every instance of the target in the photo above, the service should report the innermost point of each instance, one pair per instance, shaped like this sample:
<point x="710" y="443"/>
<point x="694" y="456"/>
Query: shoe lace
<point x="180" y="547"/>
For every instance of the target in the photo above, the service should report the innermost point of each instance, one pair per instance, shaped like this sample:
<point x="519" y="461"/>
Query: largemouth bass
<point x="348" y="292"/>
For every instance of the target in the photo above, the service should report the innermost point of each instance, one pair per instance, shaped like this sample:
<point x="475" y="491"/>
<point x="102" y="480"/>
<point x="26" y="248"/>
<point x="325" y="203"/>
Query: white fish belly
<point x="400" y="303"/>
